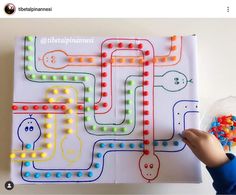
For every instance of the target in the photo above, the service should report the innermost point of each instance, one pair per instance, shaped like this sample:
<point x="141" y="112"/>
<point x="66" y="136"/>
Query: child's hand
<point x="206" y="147"/>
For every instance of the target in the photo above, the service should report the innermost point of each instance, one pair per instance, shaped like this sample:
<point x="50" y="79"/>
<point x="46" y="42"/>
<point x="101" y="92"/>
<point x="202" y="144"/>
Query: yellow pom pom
<point x="33" y="155"/>
<point x="48" y="135"/>
<point x="12" y="155"/>
<point x="69" y="120"/>
<point x="43" y="154"/>
<point x="66" y="91"/>
<point x="69" y="131"/>
<point x="55" y="91"/>
<point x="22" y="155"/>
<point x="70" y="111"/>
<point x="48" y="115"/>
<point x="69" y="100"/>
<point x="48" y="125"/>
<point x="51" y="100"/>
<point x="48" y="145"/>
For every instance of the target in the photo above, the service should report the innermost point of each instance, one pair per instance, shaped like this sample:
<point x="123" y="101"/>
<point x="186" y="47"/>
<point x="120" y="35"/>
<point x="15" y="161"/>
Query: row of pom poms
<point x="24" y="155"/>
<point x="224" y="129"/>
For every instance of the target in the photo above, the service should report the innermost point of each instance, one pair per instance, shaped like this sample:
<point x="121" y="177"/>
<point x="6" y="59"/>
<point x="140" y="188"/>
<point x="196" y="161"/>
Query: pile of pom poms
<point x="224" y="128"/>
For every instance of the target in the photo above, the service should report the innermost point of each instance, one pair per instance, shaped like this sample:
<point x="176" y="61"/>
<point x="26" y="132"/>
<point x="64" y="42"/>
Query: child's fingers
<point x="188" y="143"/>
<point x="190" y="136"/>
<point x="195" y="131"/>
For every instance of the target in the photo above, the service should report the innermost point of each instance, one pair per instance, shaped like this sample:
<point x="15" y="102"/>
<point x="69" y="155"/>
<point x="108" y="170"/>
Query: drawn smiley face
<point x="29" y="130"/>
<point x="149" y="170"/>
<point x="29" y="127"/>
<point x="49" y="59"/>
<point x="174" y="81"/>
<point x="55" y="59"/>
<point x="149" y="166"/>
